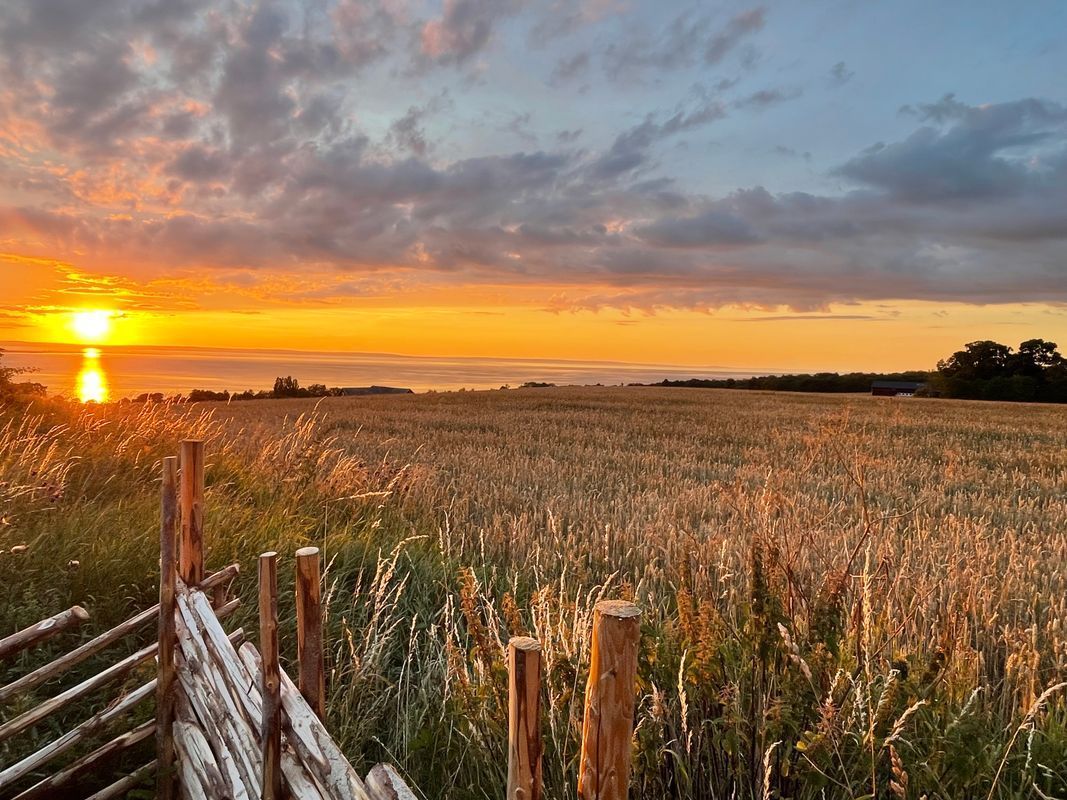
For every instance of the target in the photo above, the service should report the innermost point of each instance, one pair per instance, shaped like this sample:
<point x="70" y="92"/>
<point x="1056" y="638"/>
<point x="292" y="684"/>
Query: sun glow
<point x="91" y="326"/>
<point x="92" y="380"/>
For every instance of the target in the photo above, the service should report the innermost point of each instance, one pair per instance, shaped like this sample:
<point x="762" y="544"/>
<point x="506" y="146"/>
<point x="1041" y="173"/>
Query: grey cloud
<point x="321" y="114"/>
<point x="709" y="229"/>
<point x="519" y="126"/>
<point x="363" y="31"/>
<point x="464" y="29"/>
<point x="178" y="125"/>
<point x="567" y="69"/>
<point x="687" y="39"/>
<point x="790" y="152"/>
<point x="32" y="24"/>
<point x="977" y="157"/>
<point x="740" y="27"/>
<point x="840" y="74"/>
<point x="631" y="149"/>
<point x="765" y="98"/>
<point x="94" y="81"/>
<point x="407" y="134"/>
<point x="251" y="92"/>
<point x="945" y="109"/>
<point x="198" y="164"/>
<point x="813" y="318"/>
<point x="559" y="18"/>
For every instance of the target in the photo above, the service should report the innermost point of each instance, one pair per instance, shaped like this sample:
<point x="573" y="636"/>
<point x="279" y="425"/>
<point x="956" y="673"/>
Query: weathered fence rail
<point x="230" y="723"/>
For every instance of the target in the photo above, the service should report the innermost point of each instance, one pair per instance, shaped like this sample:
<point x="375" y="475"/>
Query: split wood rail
<point x="230" y="723"/>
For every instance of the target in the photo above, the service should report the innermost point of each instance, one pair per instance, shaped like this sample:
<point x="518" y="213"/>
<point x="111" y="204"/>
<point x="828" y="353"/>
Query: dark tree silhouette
<point x="981" y="360"/>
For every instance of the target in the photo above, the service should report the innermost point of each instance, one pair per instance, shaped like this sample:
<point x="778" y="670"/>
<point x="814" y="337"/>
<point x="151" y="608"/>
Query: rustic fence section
<point x="229" y="722"/>
<point x="81" y="733"/>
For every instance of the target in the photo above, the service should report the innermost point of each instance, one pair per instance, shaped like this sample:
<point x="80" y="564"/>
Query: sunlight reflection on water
<point x="92" y="384"/>
<point x="114" y="372"/>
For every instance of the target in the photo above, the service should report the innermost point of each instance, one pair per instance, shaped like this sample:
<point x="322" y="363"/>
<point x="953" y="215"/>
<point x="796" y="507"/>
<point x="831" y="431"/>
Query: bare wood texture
<point x="191" y="549"/>
<point x="215" y="707"/>
<point x="122" y="786"/>
<point x="245" y="685"/>
<point x="270" y="682"/>
<point x="524" y="719"/>
<point x="221" y="756"/>
<point x="166" y="641"/>
<point x="71" y="738"/>
<point x="42" y="631"/>
<point x="311" y="740"/>
<point x="607" y="733"/>
<point x="90" y="761"/>
<point x="199" y="774"/>
<point x="383" y="783"/>
<point x="311" y="677"/>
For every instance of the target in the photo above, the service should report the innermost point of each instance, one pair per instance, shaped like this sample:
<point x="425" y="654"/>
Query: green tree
<point x="9" y="389"/>
<point x="1035" y="356"/>
<point x="982" y="360"/>
<point x="286" y="387"/>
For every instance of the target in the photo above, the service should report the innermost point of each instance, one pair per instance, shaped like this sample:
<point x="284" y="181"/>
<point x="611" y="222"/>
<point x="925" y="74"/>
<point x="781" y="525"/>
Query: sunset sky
<point x="816" y="185"/>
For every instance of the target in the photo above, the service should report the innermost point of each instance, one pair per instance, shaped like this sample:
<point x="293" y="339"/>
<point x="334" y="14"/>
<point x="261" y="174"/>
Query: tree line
<point x="283" y="387"/>
<point x="827" y="382"/>
<point x="982" y="370"/>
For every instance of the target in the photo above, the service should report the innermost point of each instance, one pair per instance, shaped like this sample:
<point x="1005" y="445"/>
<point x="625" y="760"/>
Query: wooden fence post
<point x="165" y="683"/>
<point x="191" y="551"/>
<point x="524" y="719"/>
<point x="271" y="727"/>
<point x="312" y="677"/>
<point x="607" y="733"/>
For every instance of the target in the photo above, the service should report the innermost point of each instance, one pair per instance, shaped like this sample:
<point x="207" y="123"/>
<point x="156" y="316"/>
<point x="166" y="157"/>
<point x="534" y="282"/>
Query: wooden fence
<point x="230" y="723"/>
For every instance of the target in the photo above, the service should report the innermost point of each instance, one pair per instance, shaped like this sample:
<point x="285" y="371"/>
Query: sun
<point x="92" y="326"/>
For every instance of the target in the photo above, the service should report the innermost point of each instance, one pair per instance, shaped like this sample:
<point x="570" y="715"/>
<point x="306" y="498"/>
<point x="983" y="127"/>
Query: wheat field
<point x="842" y="596"/>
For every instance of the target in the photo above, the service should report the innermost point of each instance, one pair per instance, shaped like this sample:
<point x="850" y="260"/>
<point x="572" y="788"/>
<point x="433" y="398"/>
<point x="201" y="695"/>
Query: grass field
<point x="843" y="596"/>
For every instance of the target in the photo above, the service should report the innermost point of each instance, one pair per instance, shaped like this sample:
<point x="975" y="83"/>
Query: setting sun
<point x="91" y="326"/>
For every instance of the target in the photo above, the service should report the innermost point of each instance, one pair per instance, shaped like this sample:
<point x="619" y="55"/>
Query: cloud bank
<point x="180" y="134"/>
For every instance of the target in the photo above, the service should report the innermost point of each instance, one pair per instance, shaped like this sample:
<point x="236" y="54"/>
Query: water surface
<point x="111" y="373"/>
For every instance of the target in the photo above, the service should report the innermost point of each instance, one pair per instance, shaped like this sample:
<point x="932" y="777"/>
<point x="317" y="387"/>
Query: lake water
<point x="111" y="373"/>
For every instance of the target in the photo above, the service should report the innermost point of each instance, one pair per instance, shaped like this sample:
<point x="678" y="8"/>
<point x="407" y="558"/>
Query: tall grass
<point x="843" y="597"/>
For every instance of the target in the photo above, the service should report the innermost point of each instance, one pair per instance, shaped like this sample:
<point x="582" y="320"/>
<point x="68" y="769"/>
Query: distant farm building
<point x="896" y="388"/>
<point x="358" y="391"/>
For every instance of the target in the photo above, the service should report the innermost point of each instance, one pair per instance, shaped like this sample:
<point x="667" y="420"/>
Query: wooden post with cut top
<point x="271" y="723"/>
<point x="524" y="719"/>
<point x="312" y="676"/>
<point x="191" y="551"/>
<point x="166" y="676"/>
<point x="607" y="733"/>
